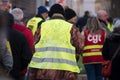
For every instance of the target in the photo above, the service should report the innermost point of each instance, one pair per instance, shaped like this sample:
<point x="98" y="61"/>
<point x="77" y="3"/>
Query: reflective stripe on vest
<point x="54" y="50"/>
<point x="92" y="54"/>
<point x="58" y="49"/>
<point x="94" y="50"/>
<point x="33" y="24"/>
<point x="92" y="46"/>
<point x="53" y="60"/>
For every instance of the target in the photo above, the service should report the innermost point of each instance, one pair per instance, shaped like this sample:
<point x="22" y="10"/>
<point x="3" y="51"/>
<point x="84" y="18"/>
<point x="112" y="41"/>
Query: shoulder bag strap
<point x="115" y="54"/>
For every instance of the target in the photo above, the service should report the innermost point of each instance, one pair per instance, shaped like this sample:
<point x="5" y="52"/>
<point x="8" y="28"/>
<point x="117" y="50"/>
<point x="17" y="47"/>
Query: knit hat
<point x="69" y="13"/>
<point x="42" y="9"/>
<point x="56" y="8"/>
<point x="17" y="14"/>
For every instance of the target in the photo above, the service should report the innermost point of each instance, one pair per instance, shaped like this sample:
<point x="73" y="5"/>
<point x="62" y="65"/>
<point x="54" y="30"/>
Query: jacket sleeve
<point x="37" y="32"/>
<point x="76" y="40"/>
<point x="26" y="53"/>
<point x="6" y="56"/>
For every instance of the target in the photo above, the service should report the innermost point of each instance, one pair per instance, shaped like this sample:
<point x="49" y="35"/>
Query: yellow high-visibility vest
<point x="110" y="27"/>
<point x="33" y="24"/>
<point x="54" y="50"/>
<point x="9" y="47"/>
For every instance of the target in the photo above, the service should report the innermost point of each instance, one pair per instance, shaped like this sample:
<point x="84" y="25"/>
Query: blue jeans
<point x="94" y="71"/>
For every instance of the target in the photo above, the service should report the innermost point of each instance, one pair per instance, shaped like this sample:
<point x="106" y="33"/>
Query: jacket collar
<point x="57" y="16"/>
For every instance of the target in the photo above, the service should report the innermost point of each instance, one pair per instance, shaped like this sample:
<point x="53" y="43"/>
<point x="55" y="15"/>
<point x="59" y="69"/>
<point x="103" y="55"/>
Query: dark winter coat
<point x="21" y="52"/>
<point x="29" y="36"/>
<point x="111" y="45"/>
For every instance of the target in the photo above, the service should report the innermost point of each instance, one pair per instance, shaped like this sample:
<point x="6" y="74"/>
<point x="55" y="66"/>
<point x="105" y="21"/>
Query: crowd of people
<point x="49" y="49"/>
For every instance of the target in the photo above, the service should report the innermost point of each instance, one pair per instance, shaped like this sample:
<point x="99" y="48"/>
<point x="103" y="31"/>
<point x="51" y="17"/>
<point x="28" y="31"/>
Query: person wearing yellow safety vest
<point x="34" y="23"/>
<point x="59" y="42"/>
<point x="94" y="36"/>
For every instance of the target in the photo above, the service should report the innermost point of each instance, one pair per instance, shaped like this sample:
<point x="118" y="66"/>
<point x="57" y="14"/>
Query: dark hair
<point x="87" y="13"/>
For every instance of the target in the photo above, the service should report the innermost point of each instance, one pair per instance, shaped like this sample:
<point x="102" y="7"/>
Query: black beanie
<point x="56" y="8"/>
<point x="69" y="13"/>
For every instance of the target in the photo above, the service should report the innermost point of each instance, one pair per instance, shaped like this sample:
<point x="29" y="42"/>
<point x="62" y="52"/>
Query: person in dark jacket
<point x="109" y="49"/>
<point x="83" y="20"/>
<point x="20" y="49"/>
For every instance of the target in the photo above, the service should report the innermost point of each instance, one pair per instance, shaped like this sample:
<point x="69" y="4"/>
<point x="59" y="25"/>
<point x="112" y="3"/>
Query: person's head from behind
<point x="43" y="12"/>
<point x="93" y="25"/>
<point x="87" y="13"/>
<point x="70" y="15"/>
<point x="17" y="14"/>
<point x="102" y="15"/>
<point x="56" y="10"/>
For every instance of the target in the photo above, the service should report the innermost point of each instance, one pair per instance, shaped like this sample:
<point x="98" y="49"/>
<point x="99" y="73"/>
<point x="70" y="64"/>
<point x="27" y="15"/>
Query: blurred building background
<point x="115" y="8"/>
<point x="80" y="6"/>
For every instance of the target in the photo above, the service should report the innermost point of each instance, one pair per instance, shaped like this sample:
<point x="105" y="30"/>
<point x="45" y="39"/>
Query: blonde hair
<point x="93" y="25"/>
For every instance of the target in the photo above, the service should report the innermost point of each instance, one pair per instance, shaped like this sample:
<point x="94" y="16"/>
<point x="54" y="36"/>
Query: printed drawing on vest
<point x="94" y="38"/>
